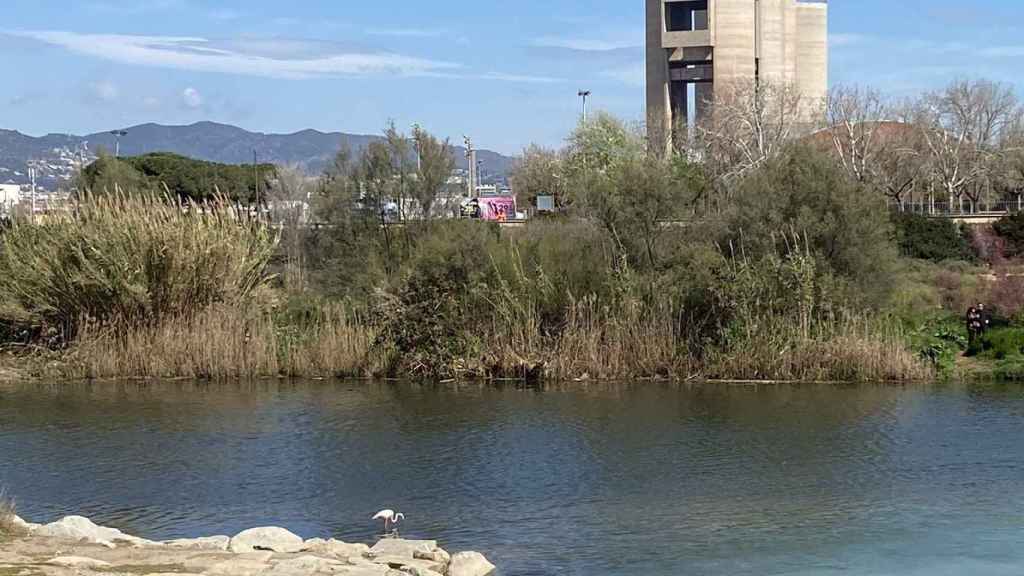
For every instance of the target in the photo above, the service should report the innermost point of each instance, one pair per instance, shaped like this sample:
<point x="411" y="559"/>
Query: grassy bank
<point x="140" y="286"/>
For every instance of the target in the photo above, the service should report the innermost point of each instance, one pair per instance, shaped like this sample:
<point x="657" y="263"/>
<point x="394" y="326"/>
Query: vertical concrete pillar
<point x="659" y="113"/>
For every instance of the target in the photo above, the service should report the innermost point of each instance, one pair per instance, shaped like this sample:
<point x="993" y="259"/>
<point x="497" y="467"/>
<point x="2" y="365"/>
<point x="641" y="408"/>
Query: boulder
<point x="21" y="525"/>
<point x="303" y="566"/>
<point x="400" y="547"/>
<point x="244" y="564"/>
<point x="408" y="563"/>
<point x="204" y="543"/>
<point x="438" y="555"/>
<point x="335" y="548"/>
<point x="417" y="571"/>
<point x="78" y="562"/>
<point x="268" y="538"/>
<point x="469" y="564"/>
<point x="78" y="528"/>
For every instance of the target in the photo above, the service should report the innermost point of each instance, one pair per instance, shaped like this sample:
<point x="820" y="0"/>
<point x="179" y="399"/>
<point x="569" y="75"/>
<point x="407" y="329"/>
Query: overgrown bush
<point x="934" y="239"/>
<point x="1010" y="229"/>
<point x="842" y="223"/>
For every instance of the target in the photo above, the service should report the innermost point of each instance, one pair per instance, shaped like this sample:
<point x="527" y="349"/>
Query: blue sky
<point x="504" y="72"/>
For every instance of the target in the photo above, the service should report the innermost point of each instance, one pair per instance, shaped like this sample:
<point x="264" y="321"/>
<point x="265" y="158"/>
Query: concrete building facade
<point x="694" y="44"/>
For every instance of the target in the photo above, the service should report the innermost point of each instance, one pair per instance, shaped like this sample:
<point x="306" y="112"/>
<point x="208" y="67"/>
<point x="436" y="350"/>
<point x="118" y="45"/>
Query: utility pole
<point x="584" y="94"/>
<point x="471" y="161"/>
<point x="32" y="176"/>
<point x="117" y="143"/>
<point x="256" y="174"/>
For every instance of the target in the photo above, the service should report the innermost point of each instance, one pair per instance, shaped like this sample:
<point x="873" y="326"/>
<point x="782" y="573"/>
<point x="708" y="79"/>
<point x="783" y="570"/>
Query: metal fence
<point x="959" y="209"/>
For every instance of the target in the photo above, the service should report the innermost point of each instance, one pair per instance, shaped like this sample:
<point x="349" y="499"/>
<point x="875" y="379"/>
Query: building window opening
<point x="686" y="16"/>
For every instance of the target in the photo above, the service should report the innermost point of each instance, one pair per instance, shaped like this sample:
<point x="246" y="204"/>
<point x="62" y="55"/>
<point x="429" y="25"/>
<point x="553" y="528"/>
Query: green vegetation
<point x="183" y="178"/>
<point x="934" y="239"/>
<point x="1011" y="230"/>
<point x="127" y="261"/>
<point x="757" y="256"/>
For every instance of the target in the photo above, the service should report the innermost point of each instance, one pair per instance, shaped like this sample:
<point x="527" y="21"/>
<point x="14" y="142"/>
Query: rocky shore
<point x="75" y="546"/>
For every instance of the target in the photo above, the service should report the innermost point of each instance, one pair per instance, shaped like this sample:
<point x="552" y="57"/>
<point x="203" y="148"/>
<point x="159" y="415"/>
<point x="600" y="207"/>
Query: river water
<point x="626" y="479"/>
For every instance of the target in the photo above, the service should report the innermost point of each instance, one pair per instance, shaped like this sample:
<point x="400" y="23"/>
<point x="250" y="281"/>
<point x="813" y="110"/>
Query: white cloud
<point x="191" y="98"/>
<point x="586" y="44"/>
<point x="843" y="39"/>
<point x="633" y="75"/>
<point x="103" y="91"/>
<point x="1004" y="52"/>
<point x="410" y="32"/>
<point x="502" y="77"/>
<point x="202" y="55"/>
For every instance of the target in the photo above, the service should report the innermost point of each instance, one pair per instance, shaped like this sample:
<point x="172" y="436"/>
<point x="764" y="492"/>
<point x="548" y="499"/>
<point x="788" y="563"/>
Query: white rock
<point x="417" y="571"/>
<point x="20" y="524"/>
<point x="400" y="547"/>
<point x="246" y="564"/>
<point x="406" y="563"/>
<point x="469" y="564"/>
<point x="335" y="548"/>
<point x="78" y="562"/>
<point x="78" y="528"/>
<point x="204" y="543"/>
<point x="438" y="555"/>
<point x="304" y="565"/>
<point x="267" y="538"/>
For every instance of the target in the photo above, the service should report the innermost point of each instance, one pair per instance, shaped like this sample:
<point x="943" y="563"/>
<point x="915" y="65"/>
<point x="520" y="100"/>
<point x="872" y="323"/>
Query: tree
<point x="855" y="118"/>
<point x="750" y="123"/>
<point x="435" y="164"/>
<point x="540" y="172"/>
<point x="399" y="150"/>
<point x="804" y="192"/>
<point x="108" y="175"/>
<point x="289" y="197"/>
<point x="962" y="128"/>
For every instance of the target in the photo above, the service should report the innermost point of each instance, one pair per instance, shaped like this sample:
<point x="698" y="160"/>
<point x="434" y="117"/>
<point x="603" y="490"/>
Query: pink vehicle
<point x="497" y="208"/>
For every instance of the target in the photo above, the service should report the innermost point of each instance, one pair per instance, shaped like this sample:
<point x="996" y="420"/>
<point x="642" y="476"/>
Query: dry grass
<point x="337" y="343"/>
<point x="224" y="343"/>
<point x="848" y="350"/>
<point x="219" y="343"/>
<point x="7" y="513"/>
<point x="128" y="258"/>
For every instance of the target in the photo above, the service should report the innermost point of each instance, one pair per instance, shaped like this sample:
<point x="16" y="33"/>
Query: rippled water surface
<point x="635" y="479"/>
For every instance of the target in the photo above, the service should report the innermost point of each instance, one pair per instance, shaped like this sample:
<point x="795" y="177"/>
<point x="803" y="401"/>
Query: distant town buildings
<point x="695" y="45"/>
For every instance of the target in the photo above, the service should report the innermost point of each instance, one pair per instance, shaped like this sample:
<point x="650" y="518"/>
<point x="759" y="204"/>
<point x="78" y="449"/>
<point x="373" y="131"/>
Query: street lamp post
<point x="117" y="143"/>
<point x="584" y="94"/>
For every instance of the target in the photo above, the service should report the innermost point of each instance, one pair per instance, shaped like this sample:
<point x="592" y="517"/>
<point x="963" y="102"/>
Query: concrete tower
<point x="692" y="44"/>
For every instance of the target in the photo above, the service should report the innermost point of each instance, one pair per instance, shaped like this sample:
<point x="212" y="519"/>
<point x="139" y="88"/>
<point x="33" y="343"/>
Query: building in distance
<point x="695" y="45"/>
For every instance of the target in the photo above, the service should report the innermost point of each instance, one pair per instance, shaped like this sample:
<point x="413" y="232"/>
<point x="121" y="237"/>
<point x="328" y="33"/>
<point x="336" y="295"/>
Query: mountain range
<point x="56" y="156"/>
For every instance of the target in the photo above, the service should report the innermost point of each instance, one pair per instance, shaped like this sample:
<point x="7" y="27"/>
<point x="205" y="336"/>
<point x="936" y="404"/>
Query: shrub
<point x="842" y="223"/>
<point x="1010" y="229"/>
<point x="935" y="239"/>
<point x="1003" y="343"/>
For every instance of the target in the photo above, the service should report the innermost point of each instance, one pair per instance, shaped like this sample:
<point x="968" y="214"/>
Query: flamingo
<point x="390" y="518"/>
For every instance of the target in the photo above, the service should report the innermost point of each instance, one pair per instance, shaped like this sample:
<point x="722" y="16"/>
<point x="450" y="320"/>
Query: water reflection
<point x="602" y="479"/>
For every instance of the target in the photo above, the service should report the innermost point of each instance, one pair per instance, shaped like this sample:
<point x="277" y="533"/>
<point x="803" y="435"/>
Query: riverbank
<point x="74" y="546"/>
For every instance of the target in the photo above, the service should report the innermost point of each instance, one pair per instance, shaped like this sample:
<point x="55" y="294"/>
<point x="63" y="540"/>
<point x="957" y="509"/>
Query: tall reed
<point x="134" y="258"/>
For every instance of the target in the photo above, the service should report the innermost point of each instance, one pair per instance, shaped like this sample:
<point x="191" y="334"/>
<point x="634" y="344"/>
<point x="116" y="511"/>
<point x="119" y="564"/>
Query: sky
<point x="506" y="73"/>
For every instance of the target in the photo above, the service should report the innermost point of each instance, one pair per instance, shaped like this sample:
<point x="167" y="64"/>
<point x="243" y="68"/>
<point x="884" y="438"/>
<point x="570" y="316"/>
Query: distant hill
<point x="310" y="149"/>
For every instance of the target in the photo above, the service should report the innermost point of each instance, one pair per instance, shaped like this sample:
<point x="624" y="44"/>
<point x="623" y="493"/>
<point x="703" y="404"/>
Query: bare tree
<point x="290" y="194"/>
<point x="856" y="123"/>
<point x="540" y="172"/>
<point x="749" y="124"/>
<point x="962" y="128"/>
<point x="434" y="165"/>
